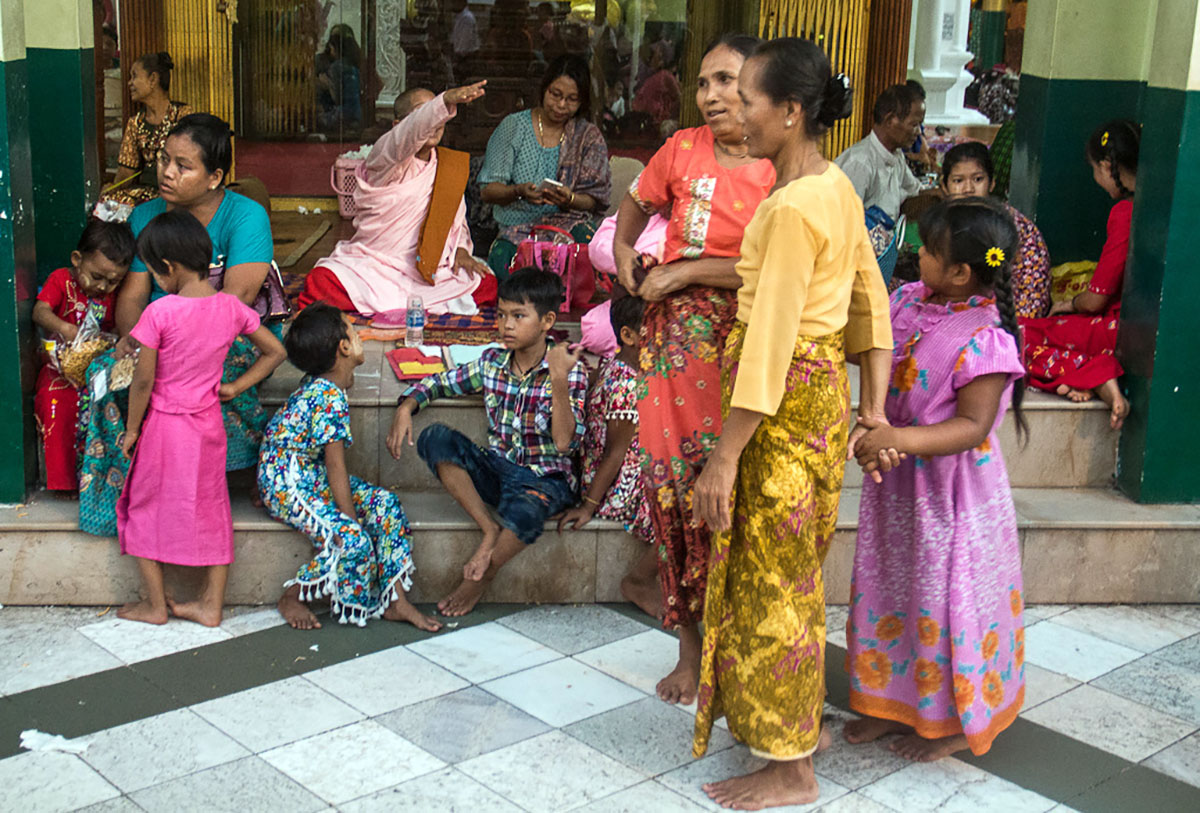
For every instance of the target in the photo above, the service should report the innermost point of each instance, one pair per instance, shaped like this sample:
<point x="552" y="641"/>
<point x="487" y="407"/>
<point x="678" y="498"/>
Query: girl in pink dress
<point x="935" y="639"/>
<point x="174" y="508"/>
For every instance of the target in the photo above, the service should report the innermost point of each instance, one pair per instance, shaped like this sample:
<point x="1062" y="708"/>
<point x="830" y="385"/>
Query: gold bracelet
<point x="571" y="202"/>
<point x="590" y="501"/>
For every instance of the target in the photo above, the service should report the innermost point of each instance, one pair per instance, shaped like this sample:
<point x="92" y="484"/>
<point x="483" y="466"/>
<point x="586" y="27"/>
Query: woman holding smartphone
<point x="547" y="166"/>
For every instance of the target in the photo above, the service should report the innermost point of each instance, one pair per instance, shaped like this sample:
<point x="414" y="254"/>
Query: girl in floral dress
<point x="936" y="643"/>
<point x="612" y="456"/>
<point x="364" y="555"/>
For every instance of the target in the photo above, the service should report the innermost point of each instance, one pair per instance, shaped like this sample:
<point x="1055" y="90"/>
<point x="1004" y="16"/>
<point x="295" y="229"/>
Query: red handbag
<point x="559" y="253"/>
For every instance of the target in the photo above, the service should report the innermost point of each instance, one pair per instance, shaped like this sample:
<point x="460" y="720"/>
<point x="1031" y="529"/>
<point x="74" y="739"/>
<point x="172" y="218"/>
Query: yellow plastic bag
<point x="1070" y="279"/>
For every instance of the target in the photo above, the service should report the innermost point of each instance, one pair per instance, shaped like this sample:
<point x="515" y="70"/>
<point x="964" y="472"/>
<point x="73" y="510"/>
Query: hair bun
<point x="165" y="61"/>
<point x="838" y="100"/>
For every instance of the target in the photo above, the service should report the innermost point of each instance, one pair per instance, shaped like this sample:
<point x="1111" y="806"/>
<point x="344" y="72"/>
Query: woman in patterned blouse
<point x="146" y="131"/>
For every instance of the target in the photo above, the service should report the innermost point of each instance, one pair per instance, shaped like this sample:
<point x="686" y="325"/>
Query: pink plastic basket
<point x="342" y="177"/>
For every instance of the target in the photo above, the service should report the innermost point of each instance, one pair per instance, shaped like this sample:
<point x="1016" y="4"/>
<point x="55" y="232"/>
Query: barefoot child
<point x="936" y="644"/>
<point x="1071" y="351"/>
<point x="612" y="458"/>
<point x="534" y="393"/>
<point x="98" y="264"/>
<point x="174" y="508"/>
<point x="364" y="553"/>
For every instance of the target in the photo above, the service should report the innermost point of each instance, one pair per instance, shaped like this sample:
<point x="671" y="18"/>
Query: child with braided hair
<point x="1072" y="351"/>
<point x="936" y="643"/>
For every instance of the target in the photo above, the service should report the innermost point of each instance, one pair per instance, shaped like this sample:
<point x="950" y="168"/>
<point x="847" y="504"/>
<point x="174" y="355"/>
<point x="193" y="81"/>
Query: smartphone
<point x="547" y="183"/>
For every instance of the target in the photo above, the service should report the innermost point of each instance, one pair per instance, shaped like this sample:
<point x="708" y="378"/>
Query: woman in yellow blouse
<point x="811" y="294"/>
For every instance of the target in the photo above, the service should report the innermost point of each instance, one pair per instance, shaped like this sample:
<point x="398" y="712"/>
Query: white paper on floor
<point x="34" y="740"/>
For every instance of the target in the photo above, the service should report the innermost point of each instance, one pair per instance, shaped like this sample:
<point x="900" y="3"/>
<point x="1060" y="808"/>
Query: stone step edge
<point x="1111" y="512"/>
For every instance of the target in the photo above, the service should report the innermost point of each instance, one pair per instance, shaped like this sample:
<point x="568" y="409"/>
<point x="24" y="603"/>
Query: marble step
<point x="1069" y="446"/>
<point x="1078" y="545"/>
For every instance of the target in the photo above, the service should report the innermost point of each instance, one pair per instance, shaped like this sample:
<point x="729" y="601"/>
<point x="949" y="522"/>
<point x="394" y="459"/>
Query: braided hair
<point x="969" y="230"/>
<point x="1117" y="142"/>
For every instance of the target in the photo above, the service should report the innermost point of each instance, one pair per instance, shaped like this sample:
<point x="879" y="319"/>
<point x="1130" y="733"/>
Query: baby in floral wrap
<point x="364" y="561"/>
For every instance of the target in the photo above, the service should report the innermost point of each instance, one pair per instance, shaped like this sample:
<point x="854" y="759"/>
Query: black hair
<point x="968" y="230"/>
<point x="575" y="68"/>
<point x="161" y="64"/>
<point x="1117" y="142"/>
<point x="917" y="88"/>
<point x="341" y="36"/>
<point x="795" y="69"/>
<point x="534" y="286"/>
<point x="627" y="312"/>
<point x="744" y="44"/>
<point x="113" y="240"/>
<point x="968" y="151"/>
<point x="176" y="236"/>
<point x="214" y="138"/>
<point x="313" y="339"/>
<point x="898" y="101"/>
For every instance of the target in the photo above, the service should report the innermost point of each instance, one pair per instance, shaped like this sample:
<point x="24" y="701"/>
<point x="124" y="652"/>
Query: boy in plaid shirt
<point x="534" y="392"/>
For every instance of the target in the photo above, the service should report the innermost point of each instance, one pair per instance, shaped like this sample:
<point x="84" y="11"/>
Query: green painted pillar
<point x="18" y="279"/>
<point x="1162" y="286"/>
<point x="1084" y="61"/>
<point x="992" y="22"/>
<point x="62" y="124"/>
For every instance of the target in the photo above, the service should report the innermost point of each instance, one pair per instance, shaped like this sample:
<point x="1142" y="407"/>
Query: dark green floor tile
<point x="82" y="706"/>
<point x="214" y="671"/>
<point x="1136" y="789"/>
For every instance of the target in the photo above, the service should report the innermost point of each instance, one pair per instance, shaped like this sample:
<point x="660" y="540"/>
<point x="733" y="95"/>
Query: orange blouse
<point x="708" y="206"/>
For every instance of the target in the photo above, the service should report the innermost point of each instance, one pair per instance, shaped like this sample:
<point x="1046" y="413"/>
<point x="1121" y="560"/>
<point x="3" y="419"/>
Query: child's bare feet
<point x="464" y="598"/>
<point x="208" y="615"/>
<point x="296" y="612"/>
<point x="401" y="610"/>
<point x="681" y="685"/>
<point x="1110" y="394"/>
<point x="477" y="565"/>
<point x="1072" y="394"/>
<point x="776" y="785"/>
<point x="640" y="585"/>
<point x="869" y="729"/>
<point x="143" y="611"/>
<point x="919" y="749"/>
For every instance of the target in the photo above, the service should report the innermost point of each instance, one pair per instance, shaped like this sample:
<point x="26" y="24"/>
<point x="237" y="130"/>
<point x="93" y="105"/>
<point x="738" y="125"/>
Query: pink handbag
<point x="561" y="255"/>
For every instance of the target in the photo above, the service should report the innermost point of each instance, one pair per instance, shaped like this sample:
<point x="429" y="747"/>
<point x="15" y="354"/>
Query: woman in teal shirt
<point x="192" y="168"/>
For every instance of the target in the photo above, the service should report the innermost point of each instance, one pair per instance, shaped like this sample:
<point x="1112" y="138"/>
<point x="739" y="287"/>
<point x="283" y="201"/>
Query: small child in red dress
<point x="98" y="264"/>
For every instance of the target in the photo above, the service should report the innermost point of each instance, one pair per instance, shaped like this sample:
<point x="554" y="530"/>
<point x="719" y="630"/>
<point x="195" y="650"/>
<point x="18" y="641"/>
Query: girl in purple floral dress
<point x="936" y="643"/>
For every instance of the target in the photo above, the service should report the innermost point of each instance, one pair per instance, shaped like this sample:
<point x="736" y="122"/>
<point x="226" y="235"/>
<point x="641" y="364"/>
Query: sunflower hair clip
<point x="994" y="257"/>
<point x="1104" y="139"/>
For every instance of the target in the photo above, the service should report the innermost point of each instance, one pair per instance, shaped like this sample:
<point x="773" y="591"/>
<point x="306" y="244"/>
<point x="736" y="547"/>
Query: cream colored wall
<point x="61" y="24"/>
<point x="1175" y="57"/>
<point x="12" y="31"/>
<point x="1092" y="39"/>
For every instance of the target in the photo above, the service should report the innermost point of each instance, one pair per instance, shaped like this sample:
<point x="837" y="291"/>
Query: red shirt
<point x="1110" y="270"/>
<point x="68" y="301"/>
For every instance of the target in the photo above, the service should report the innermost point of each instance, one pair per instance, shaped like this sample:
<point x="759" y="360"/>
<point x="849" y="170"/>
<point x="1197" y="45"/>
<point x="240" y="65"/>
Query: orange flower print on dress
<point x="889" y="627"/>
<point x="929" y="677"/>
<point x="906" y="375"/>
<point x="991" y="642"/>
<point x="1019" y="650"/>
<point x="1016" y="603"/>
<point x="873" y="669"/>
<point x="964" y="692"/>
<point x="993" y="689"/>
<point x="928" y="631"/>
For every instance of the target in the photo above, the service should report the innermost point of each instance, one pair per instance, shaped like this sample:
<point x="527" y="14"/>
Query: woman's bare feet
<point x="646" y="595"/>
<point x="296" y="612"/>
<point x="1111" y="394"/>
<point x="919" y="749"/>
<point x="143" y="611"/>
<point x="681" y="685"/>
<point x="477" y="565"/>
<point x="208" y="615"/>
<point x="869" y="729"/>
<point x="464" y="598"/>
<point x="402" y="610"/>
<point x="1072" y="394"/>
<point x="776" y="785"/>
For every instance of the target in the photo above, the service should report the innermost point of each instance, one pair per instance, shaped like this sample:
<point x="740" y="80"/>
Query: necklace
<point x="523" y="373"/>
<point x="542" y="135"/>
<point x="731" y="154"/>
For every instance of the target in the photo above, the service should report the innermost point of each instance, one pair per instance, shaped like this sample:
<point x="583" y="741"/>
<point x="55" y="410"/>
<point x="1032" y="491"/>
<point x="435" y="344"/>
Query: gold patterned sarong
<point x="764" y="644"/>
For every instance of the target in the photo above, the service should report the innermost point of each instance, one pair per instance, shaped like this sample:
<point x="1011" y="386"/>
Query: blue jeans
<point x="523" y="500"/>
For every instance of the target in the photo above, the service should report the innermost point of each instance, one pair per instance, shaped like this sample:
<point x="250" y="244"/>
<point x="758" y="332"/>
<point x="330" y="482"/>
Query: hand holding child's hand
<point x="562" y="360"/>
<point x="227" y="392"/>
<point x="402" y="432"/>
<point x="128" y="441"/>
<point x="575" y="518"/>
<point x="876" y="452"/>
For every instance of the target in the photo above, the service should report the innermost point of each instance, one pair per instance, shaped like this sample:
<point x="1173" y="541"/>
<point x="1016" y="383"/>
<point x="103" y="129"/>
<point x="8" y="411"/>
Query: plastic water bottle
<point x="414" y="322"/>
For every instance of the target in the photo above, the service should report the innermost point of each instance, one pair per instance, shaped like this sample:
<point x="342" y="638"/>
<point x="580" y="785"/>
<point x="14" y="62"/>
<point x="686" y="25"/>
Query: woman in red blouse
<point x="1072" y="351"/>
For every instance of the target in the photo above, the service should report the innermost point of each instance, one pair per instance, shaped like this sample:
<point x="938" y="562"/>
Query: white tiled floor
<point x="553" y="709"/>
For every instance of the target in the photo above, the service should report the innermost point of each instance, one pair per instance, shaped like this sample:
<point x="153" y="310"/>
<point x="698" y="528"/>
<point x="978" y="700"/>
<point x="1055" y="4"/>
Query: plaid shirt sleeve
<point x="466" y="379"/>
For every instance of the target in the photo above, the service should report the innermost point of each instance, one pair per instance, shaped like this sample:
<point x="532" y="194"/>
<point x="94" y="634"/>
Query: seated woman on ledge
<point x="554" y="141"/>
